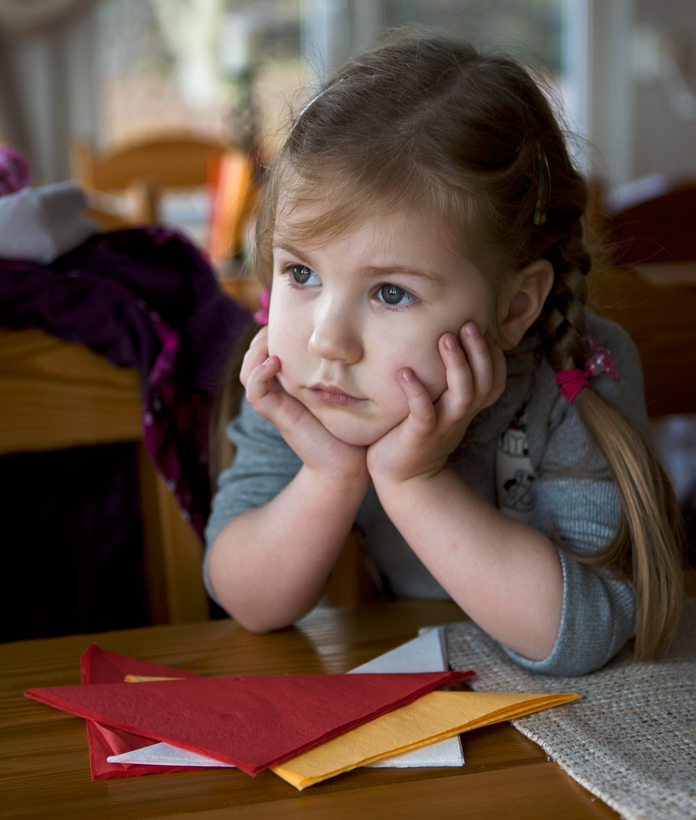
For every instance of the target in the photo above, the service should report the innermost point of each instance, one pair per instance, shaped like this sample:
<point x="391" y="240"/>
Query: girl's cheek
<point x="436" y="387"/>
<point x="274" y="348"/>
<point x="431" y="374"/>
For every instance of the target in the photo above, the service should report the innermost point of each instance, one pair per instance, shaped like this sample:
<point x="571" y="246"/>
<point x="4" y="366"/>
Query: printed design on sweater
<point x="514" y="474"/>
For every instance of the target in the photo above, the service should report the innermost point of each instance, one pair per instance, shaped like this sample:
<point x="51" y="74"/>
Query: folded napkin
<point x="431" y="718"/>
<point x="99" y="666"/>
<point x="251" y="722"/>
<point x="426" y="653"/>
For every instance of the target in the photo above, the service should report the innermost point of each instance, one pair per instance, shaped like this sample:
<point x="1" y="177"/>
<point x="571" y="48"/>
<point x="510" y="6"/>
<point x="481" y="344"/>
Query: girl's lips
<point x="328" y="394"/>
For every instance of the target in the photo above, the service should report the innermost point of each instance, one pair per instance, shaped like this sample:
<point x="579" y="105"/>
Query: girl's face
<point x="348" y="314"/>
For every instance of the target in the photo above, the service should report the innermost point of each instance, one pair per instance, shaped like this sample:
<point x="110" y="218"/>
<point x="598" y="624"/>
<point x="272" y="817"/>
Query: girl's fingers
<point x="460" y="383"/>
<point x="420" y="405"/>
<point x="478" y="355"/>
<point x="255" y="355"/>
<point x="258" y="385"/>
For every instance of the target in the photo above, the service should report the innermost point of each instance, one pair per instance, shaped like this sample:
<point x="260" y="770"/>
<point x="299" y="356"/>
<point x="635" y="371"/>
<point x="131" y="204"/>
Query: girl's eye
<point x="394" y="296"/>
<point x="302" y="275"/>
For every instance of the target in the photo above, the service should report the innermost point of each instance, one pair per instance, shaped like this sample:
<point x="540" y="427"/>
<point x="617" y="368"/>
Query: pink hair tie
<point x="571" y="382"/>
<point x="261" y="315"/>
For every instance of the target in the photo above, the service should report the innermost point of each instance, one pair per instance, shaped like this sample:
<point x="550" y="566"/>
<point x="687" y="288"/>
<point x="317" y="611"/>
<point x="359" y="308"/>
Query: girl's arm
<point x="505" y="575"/>
<point x="269" y="565"/>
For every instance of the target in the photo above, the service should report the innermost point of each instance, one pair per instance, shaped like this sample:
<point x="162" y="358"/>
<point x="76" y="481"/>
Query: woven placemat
<point x="630" y="739"/>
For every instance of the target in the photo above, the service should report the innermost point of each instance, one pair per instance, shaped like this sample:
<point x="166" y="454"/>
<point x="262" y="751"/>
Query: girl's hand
<point x="305" y="434"/>
<point x="419" y="446"/>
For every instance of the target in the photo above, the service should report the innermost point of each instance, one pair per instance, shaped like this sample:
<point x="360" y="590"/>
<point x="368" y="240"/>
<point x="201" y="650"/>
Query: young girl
<point x="430" y="372"/>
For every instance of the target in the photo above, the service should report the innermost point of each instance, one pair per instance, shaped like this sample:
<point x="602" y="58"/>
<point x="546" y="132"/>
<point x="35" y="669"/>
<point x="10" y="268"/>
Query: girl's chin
<point x="357" y="434"/>
<point x="356" y="440"/>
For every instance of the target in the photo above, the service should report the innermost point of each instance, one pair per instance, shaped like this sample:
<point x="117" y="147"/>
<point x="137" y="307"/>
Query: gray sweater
<point x="575" y="496"/>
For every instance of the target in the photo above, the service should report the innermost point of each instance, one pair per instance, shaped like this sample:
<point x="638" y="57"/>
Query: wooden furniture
<point x="651" y="221"/>
<point x="44" y="766"/>
<point x="648" y="227"/>
<point x="146" y="171"/>
<point x="142" y="169"/>
<point x="658" y="313"/>
<point x="650" y="289"/>
<point x="58" y="394"/>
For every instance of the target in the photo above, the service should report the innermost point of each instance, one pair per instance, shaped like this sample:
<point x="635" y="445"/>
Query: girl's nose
<point x="335" y="337"/>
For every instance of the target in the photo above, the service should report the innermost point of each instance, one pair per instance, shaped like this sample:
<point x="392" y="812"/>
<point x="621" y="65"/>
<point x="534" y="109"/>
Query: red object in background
<point x="231" y="193"/>
<point x="252" y="722"/>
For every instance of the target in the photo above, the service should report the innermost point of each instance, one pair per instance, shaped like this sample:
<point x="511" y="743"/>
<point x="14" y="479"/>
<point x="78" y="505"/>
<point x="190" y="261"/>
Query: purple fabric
<point x="143" y="298"/>
<point x="15" y="170"/>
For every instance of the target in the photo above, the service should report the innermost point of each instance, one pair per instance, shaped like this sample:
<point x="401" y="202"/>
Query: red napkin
<point x="99" y="666"/>
<point x="251" y="722"/>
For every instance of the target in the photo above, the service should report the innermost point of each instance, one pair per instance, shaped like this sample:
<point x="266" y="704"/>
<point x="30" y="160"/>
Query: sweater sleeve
<point x="578" y="504"/>
<point x="263" y="466"/>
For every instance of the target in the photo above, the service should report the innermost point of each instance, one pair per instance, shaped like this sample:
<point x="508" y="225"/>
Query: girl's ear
<point x="523" y="301"/>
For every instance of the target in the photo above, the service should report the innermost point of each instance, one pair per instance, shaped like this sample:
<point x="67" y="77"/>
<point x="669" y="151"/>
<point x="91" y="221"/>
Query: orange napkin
<point x="433" y="717"/>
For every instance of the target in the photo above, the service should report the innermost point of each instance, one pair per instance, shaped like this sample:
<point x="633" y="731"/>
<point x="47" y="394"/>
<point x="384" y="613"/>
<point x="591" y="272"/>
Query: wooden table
<point x="44" y="767"/>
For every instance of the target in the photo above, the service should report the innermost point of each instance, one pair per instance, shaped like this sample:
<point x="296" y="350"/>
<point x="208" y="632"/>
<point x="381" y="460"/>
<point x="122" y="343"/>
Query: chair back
<point x="143" y="169"/>
<point x="651" y="290"/>
<point x="167" y="161"/>
<point x="652" y="221"/>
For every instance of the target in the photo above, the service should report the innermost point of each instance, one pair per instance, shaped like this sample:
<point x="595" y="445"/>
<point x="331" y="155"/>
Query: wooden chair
<point x="59" y="394"/>
<point x="651" y="287"/>
<point x="648" y="226"/>
<point x="146" y="171"/>
<point x="651" y="221"/>
<point x="143" y="169"/>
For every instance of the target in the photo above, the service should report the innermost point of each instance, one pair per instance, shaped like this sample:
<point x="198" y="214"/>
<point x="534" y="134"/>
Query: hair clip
<point x="571" y="382"/>
<point x="600" y="360"/>
<point x="539" y="217"/>
<point x="309" y="105"/>
<point x="261" y="315"/>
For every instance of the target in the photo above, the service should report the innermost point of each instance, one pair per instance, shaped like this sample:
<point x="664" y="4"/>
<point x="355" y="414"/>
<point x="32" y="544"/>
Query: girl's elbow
<point x="258" y="622"/>
<point x="262" y="619"/>
<point x="258" y="626"/>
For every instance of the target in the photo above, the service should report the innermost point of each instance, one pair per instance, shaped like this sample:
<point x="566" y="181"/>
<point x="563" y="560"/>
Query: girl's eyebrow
<point x="378" y="271"/>
<point x="370" y="271"/>
<point x="292" y="250"/>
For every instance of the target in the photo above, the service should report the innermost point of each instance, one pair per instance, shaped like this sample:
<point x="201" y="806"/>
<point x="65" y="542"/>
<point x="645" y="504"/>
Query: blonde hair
<point x="430" y="122"/>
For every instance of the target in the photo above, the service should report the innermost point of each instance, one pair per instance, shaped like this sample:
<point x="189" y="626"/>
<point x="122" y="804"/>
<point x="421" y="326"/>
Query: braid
<point x="646" y="546"/>
<point x="563" y="321"/>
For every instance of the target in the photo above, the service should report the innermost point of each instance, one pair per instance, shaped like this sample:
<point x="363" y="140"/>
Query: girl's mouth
<point x="330" y="394"/>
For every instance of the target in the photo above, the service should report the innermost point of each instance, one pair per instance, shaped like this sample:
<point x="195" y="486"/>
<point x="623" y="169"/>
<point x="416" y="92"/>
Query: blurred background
<point x="112" y="71"/>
